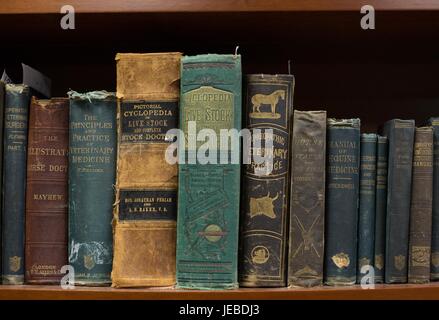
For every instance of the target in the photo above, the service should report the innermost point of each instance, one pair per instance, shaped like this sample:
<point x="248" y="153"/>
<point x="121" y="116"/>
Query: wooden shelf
<point x="160" y="6"/>
<point x="381" y="292"/>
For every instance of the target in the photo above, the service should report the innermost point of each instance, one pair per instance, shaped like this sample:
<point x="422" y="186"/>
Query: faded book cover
<point x="269" y="105"/>
<point x="342" y="188"/>
<point x="92" y="171"/>
<point x="400" y="134"/>
<point x="14" y="179"/>
<point x="421" y="207"/>
<point x="209" y="193"/>
<point x="145" y="213"/>
<point x="47" y="191"/>
<point x="307" y="200"/>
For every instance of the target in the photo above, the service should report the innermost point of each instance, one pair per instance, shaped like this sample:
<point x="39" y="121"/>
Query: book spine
<point x="380" y="208"/>
<point x="400" y="134"/>
<point x="14" y="178"/>
<point x="92" y="152"/>
<point x="263" y="232"/>
<point x="343" y="153"/>
<point x="307" y="207"/>
<point x="366" y="212"/>
<point x="2" y="114"/>
<point x="208" y="194"/>
<point x="47" y="191"/>
<point x="434" y="273"/>
<point x="421" y="207"/>
<point x="146" y="188"/>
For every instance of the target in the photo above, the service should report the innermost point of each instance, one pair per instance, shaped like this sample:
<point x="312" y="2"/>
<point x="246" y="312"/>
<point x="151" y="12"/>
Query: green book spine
<point x="342" y="184"/>
<point x="208" y="194"/>
<point x="400" y="134"/>
<point x="366" y="213"/>
<point x="92" y="167"/>
<point x="380" y="208"/>
<point x="14" y="178"/>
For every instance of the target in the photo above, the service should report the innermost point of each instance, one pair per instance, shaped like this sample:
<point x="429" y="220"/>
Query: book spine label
<point x="92" y="164"/>
<point x="342" y="173"/>
<point x="264" y="198"/>
<point x="366" y="212"/>
<point x="208" y="194"/>
<point x="434" y="122"/>
<point x="47" y="191"/>
<point x="307" y="207"/>
<point x="145" y="217"/>
<point x="421" y="207"/>
<point x="14" y="178"/>
<point x="400" y="134"/>
<point x="380" y="208"/>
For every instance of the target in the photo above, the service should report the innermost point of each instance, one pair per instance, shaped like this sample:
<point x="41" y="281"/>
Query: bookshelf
<point x="381" y="292"/>
<point x="374" y="74"/>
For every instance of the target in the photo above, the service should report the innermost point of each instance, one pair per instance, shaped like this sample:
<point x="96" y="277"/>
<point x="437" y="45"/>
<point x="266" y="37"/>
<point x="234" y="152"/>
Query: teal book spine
<point x="92" y="169"/>
<point x="342" y="184"/>
<point x="14" y="178"/>
<point x="434" y="268"/>
<point x="366" y="212"/>
<point x="400" y="134"/>
<point x="209" y="192"/>
<point x="380" y="208"/>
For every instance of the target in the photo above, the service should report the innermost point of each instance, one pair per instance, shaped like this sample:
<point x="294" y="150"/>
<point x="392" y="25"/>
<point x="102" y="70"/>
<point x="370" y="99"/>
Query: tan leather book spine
<point x="46" y="196"/>
<point x="144" y="223"/>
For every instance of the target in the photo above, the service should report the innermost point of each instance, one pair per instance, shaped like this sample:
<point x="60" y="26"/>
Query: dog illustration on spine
<point x="267" y="99"/>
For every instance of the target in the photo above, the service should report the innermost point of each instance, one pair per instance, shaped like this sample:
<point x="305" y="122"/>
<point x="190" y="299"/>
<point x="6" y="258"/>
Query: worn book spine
<point x="14" y="179"/>
<point x="307" y="204"/>
<point x="92" y="164"/>
<point x="146" y="211"/>
<point x="342" y="187"/>
<point x="269" y="105"/>
<point x="47" y="191"/>
<point x="366" y="212"/>
<point x="400" y="134"/>
<point x="434" y="266"/>
<point x="208" y="194"/>
<point x="2" y="114"/>
<point x="380" y="208"/>
<point x="421" y="207"/>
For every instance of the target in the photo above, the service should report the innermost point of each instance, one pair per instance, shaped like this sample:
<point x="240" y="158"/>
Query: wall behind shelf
<point x="375" y="74"/>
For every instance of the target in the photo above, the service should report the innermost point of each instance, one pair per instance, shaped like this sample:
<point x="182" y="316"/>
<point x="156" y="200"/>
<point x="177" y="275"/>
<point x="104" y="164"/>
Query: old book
<point x="380" y="208"/>
<point x="146" y="210"/>
<point x="208" y="193"/>
<point x="265" y="197"/>
<point x="2" y="113"/>
<point x="366" y="212"/>
<point x="307" y="204"/>
<point x="400" y="134"/>
<point x="47" y="191"/>
<point x="342" y="184"/>
<point x="92" y="171"/>
<point x="434" y="266"/>
<point x="421" y="207"/>
<point x="14" y="179"/>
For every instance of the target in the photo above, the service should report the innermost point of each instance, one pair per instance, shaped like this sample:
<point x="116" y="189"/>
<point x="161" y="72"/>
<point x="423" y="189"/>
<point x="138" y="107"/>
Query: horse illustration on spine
<point x="266" y="99"/>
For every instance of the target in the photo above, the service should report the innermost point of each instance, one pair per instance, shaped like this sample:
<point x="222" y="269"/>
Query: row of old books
<point x="92" y="191"/>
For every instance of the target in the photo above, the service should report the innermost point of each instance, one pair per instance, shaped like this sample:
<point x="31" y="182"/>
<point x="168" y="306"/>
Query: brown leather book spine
<point x="421" y="207"/>
<point x="46" y="196"/>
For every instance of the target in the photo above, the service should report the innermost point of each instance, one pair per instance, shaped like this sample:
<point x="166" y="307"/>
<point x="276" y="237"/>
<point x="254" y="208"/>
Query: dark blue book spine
<point x="14" y="177"/>
<point x="381" y="208"/>
<point x="92" y="173"/>
<point x="434" y="271"/>
<point x="343" y="145"/>
<point x="366" y="213"/>
<point x="400" y="134"/>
